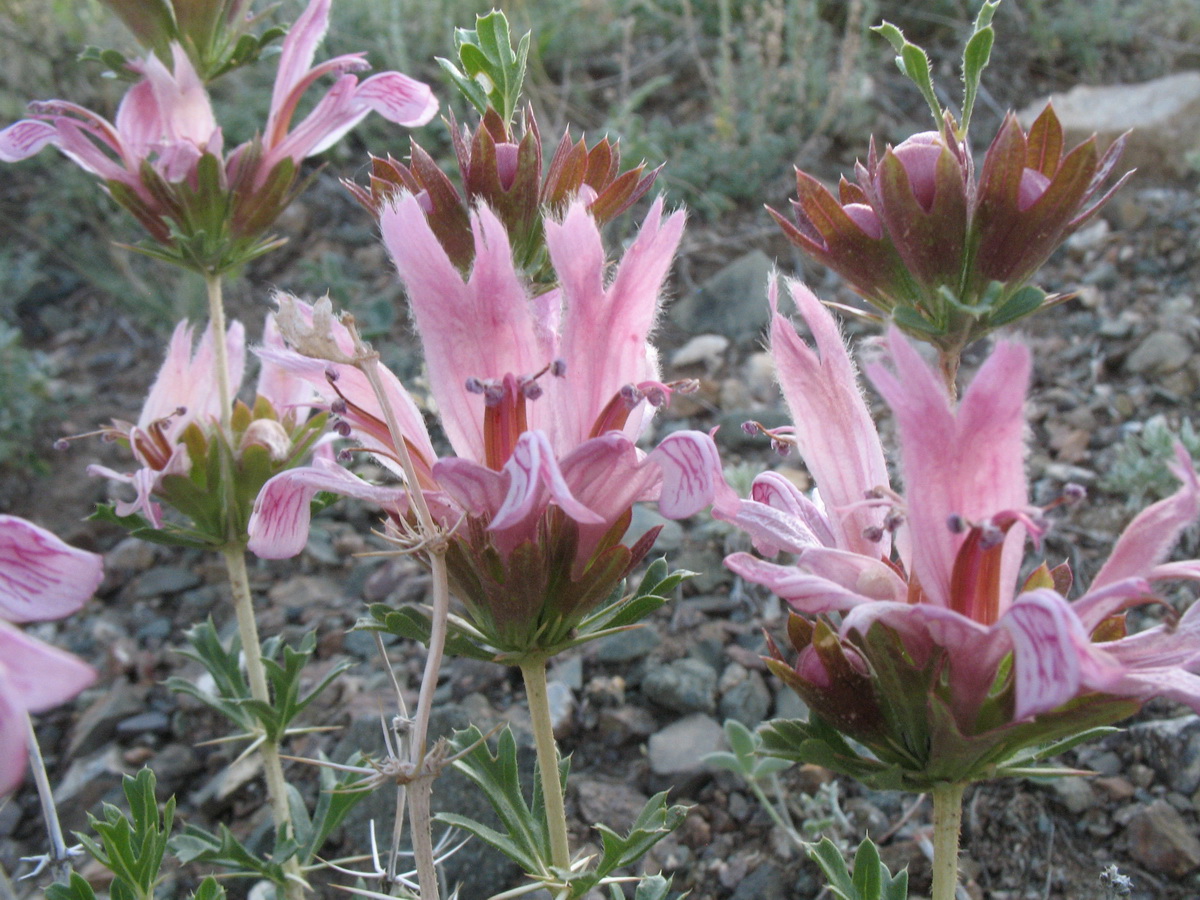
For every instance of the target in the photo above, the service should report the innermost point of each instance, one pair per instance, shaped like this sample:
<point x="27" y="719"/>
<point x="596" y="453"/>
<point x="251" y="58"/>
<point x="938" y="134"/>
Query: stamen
<point x="873" y="533"/>
<point x="62" y="444"/>
<point x="1073" y="493"/>
<point x="343" y="428"/>
<point x="475" y="385"/>
<point x="345" y="456"/>
<point x="956" y="523"/>
<point x="781" y="440"/>
<point x="558" y="368"/>
<point x="630" y="395"/>
<point x="990" y="536"/>
<point x="531" y="390"/>
<point x="338" y="407"/>
<point x="657" y="397"/>
<point x="893" y="520"/>
<point x="331" y="374"/>
<point x="493" y="394"/>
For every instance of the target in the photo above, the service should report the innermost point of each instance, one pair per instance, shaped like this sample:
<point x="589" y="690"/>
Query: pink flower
<point x="184" y="392"/>
<point x="938" y="567"/>
<point x="943" y="253"/>
<point x="394" y="96"/>
<point x="165" y="119"/>
<point x="40" y="578"/>
<point x="206" y="211"/>
<point x="542" y="412"/>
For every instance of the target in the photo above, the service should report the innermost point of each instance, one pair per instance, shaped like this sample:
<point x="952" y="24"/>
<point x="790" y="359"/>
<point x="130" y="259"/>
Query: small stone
<point x="1172" y="749"/>
<point x="731" y="302"/>
<point x="788" y="704"/>
<point x="679" y="747"/>
<point x="626" y="646"/>
<point x="569" y="671"/>
<point x="625" y="723"/>
<point x="607" y="802"/>
<point x="1159" y="353"/>
<point x="684" y="685"/>
<point x="98" y="723"/>
<point x="1162" y="841"/>
<point x="705" y="350"/>
<point x="748" y="702"/>
<point x="1074" y="793"/>
<point x="166" y="580"/>
<point x="150" y="722"/>
<point x="643" y="519"/>
<point x="1115" y="787"/>
<point x="305" y="591"/>
<point x="130" y="555"/>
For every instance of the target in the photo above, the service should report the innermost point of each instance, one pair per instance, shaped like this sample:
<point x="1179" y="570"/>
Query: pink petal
<point x="608" y="475"/>
<point x="295" y="59"/>
<point x="833" y="428"/>
<point x="691" y="476"/>
<point x="483" y="328"/>
<point x="398" y="98"/>
<point x="624" y="313"/>
<point x="14" y="729"/>
<point x="1150" y="536"/>
<point x="37" y="675"/>
<point x="806" y="593"/>
<point x="480" y="491"/>
<point x="967" y="462"/>
<point x="533" y="473"/>
<point x="1052" y="655"/>
<point x="143" y="481"/>
<point x="777" y="492"/>
<point x="284" y="390"/>
<point x="33" y="677"/>
<point x="24" y="139"/>
<point x="41" y="577"/>
<point x="278" y="527"/>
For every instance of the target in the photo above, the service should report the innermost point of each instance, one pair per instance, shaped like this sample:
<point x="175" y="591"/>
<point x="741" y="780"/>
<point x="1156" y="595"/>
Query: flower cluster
<point x="41" y="578"/>
<point x="162" y="158"/>
<point x="542" y="416"/>
<point x="945" y="253"/>
<point x="188" y="462"/>
<point x="941" y="660"/>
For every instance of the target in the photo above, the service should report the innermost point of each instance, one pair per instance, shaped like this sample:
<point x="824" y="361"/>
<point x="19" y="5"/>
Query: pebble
<point x="748" y="702"/>
<point x="1162" y="841"/>
<point x="732" y="302"/>
<point x="626" y="646"/>
<point x="1171" y="747"/>
<point x="704" y="349"/>
<point x="1159" y="353"/>
<point x="684" y="685"/>
<point x="166" y="580"/>
<point x="678" y="748"/>
<point x="1074" y="793"/>
<point x="608" y="802"/>
<point x="561" y="700"/>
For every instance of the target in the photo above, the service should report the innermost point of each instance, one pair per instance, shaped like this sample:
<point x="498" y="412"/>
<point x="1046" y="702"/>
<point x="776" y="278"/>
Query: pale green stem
<point x="243" y="603"/>
<point x="947" y="821"/>
<point x="60" y="859"/>
<point x="534" y="673"/>
<point x="419" y="791"/>
<point x="216" y="316"/>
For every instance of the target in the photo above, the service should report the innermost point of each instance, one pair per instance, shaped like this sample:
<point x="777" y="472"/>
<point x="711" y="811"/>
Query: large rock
<point x="1164" y="115"/>
<point x="732" y="303"/>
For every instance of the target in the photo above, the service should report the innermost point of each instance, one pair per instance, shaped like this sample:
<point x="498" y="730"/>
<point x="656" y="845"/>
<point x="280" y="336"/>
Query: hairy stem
<point x="420" y="790"/>
<point x="216" y="316"/>
<point x="534" y="673"/>
<point x="419" y="793"/>
<point x="243" y="601"/>
<point x="60" y="859"/>
<point x="947" y="821"/>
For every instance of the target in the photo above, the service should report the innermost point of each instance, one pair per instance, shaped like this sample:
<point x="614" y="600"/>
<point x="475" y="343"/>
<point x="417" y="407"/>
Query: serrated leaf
<point x="76" y="888"/>
<point x="210" y="889"/>
<point x="829" y="859"/>
<point x="868" y="880"/>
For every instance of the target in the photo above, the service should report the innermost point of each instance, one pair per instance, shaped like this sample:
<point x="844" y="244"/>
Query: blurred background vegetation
<point x="731" y="95"/>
